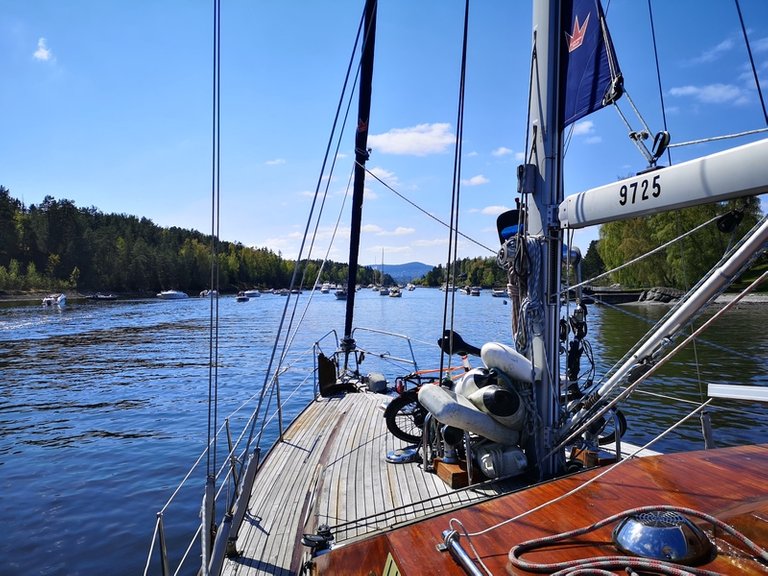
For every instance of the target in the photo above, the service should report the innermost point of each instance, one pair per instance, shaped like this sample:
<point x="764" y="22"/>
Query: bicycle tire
<point x="405" y="417"/>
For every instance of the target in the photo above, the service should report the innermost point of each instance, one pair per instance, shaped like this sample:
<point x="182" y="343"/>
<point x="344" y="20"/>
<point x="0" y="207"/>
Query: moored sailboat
<point x="515" y="457"/>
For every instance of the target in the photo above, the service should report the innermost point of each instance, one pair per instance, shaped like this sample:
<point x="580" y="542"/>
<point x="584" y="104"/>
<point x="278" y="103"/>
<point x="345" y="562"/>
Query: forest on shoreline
<point x="57" y="246"/>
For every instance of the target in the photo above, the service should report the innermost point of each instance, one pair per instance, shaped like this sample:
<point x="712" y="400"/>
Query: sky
<point x="108" y="103"/>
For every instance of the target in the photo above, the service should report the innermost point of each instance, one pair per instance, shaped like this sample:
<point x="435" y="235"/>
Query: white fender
<point x="502" y="404"/>
<point x="449" y="408"/>
<point x="509" y="361"/>
<point x="466" y="385"/>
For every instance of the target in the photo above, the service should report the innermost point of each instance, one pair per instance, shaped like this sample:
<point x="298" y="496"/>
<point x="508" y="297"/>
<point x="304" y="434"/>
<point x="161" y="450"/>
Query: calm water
<point x="104" y="405"/>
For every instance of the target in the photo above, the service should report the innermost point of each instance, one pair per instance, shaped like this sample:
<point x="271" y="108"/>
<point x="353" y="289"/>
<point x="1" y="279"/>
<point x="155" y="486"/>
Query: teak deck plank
<point x="337" y="447"/>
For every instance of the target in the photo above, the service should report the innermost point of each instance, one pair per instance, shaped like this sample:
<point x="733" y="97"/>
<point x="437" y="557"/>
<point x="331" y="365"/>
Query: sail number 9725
<point x="640" y="190"/>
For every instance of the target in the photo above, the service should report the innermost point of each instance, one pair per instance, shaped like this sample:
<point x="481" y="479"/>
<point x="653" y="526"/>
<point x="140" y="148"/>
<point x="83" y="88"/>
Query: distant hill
<point x="404" y="273"/>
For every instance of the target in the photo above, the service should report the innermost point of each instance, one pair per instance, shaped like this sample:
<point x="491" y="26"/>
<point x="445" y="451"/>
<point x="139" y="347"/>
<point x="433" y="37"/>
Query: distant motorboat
<point x="55" y="300"/>
<point x="102" y="296"/>
<point x="395" y="292"/>
<point x="242" y="297"/>
<point x="252" y="293"/>
<point x="475" y="291"/>
<point x="325" y="288"/>
<point x="206" y="293"/>
<point x="383" y="291"/>
<point x="172" y="295"/>
<point x="499" y="293"/>
<point x="410" y="287"/>
<point x="341" y="294"/>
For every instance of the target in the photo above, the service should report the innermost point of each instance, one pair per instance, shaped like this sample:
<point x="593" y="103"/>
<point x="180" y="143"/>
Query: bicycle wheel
<point x="405" y="416"/>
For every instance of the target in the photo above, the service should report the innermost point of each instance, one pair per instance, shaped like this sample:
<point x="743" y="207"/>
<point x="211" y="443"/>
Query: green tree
<point x="592" y="265"/>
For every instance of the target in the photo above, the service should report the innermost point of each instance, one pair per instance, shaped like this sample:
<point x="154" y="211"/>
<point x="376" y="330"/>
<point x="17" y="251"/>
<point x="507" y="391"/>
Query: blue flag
<point x="590" y="73"/>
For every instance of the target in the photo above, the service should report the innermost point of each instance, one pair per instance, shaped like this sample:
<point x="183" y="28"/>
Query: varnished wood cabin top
<point x="730" y="484"/>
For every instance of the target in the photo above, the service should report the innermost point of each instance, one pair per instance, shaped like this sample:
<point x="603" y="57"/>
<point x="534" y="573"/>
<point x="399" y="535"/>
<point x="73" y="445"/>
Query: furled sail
<point x="590" y="72"/>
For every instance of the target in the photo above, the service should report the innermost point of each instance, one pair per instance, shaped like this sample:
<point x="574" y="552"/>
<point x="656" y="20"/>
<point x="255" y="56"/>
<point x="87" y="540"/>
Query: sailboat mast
<point x="545" y="187"/>
<point x="361" y="156"/>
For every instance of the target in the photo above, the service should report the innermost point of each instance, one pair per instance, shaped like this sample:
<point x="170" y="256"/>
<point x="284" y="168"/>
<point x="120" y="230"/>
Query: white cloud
<point x="714" y="53"/>
<point x="502" y="151"/>
<point x="420" y="140"/>
<point x="424" y="243"/>
<point x="493" y="210"/>
<point x="385" y="175"/>
<point x="379" y="231"/>
<point x="583" y="127"/>
<point x="275" y="162"/>
<point x="593" y="140"/>
<point x="43" y="53"/>
<point x="476" y="180"/>
<point x="370" y="194"/>
<point x="712" y="93"/>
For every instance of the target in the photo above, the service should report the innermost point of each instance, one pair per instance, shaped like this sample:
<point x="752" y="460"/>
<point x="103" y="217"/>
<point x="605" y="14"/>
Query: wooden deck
<point x="331" y="469"/>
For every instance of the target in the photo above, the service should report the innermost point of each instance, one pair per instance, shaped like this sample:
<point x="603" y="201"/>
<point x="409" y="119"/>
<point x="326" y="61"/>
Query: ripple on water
<point x="103" y="408"/>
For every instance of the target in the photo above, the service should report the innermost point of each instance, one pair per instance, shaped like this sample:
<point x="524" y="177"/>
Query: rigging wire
<point x="643" y="256"/>
<point x="585" y="423"/>
<point x="450" y="281"/>
<point x="426" y="213"/>
<point x="215" y="228"/>
<point x="716" y="138"/>
<point x="658" y="77"/>
<point x="271" y="377"/>
<point x="751" y="61"/>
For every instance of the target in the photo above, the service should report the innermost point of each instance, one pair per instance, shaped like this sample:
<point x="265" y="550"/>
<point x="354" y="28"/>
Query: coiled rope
<point x="601" y="564"/>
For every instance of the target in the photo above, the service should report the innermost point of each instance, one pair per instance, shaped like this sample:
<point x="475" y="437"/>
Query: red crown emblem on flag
<point x="577" y="37"/>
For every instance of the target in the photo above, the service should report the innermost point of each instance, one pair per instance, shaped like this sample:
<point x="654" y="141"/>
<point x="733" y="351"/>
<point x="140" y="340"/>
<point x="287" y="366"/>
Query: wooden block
<point x="455" y="475"/>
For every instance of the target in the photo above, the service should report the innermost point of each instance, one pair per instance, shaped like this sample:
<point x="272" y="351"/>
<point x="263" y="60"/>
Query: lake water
<point x="104" y="405"/>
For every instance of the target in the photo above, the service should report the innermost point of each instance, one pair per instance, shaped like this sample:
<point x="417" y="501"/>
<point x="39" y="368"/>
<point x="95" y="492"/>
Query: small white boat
<point x="325" y="288"/>
<point x="252" y="293"/>
<point x="242" y="297"/>
<point x="172" y="295"/>
<point x="341" y="294"/>
<point x="499" y="293"/>
<point x="395" y="292"/>
<point x="475" y="291"/>
<point x="206" y="293"/>
<point x="55" y="300"/>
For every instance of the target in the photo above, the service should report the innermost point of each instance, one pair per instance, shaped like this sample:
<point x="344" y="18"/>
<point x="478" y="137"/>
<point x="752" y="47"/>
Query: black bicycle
<point x="404" y="415"/>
